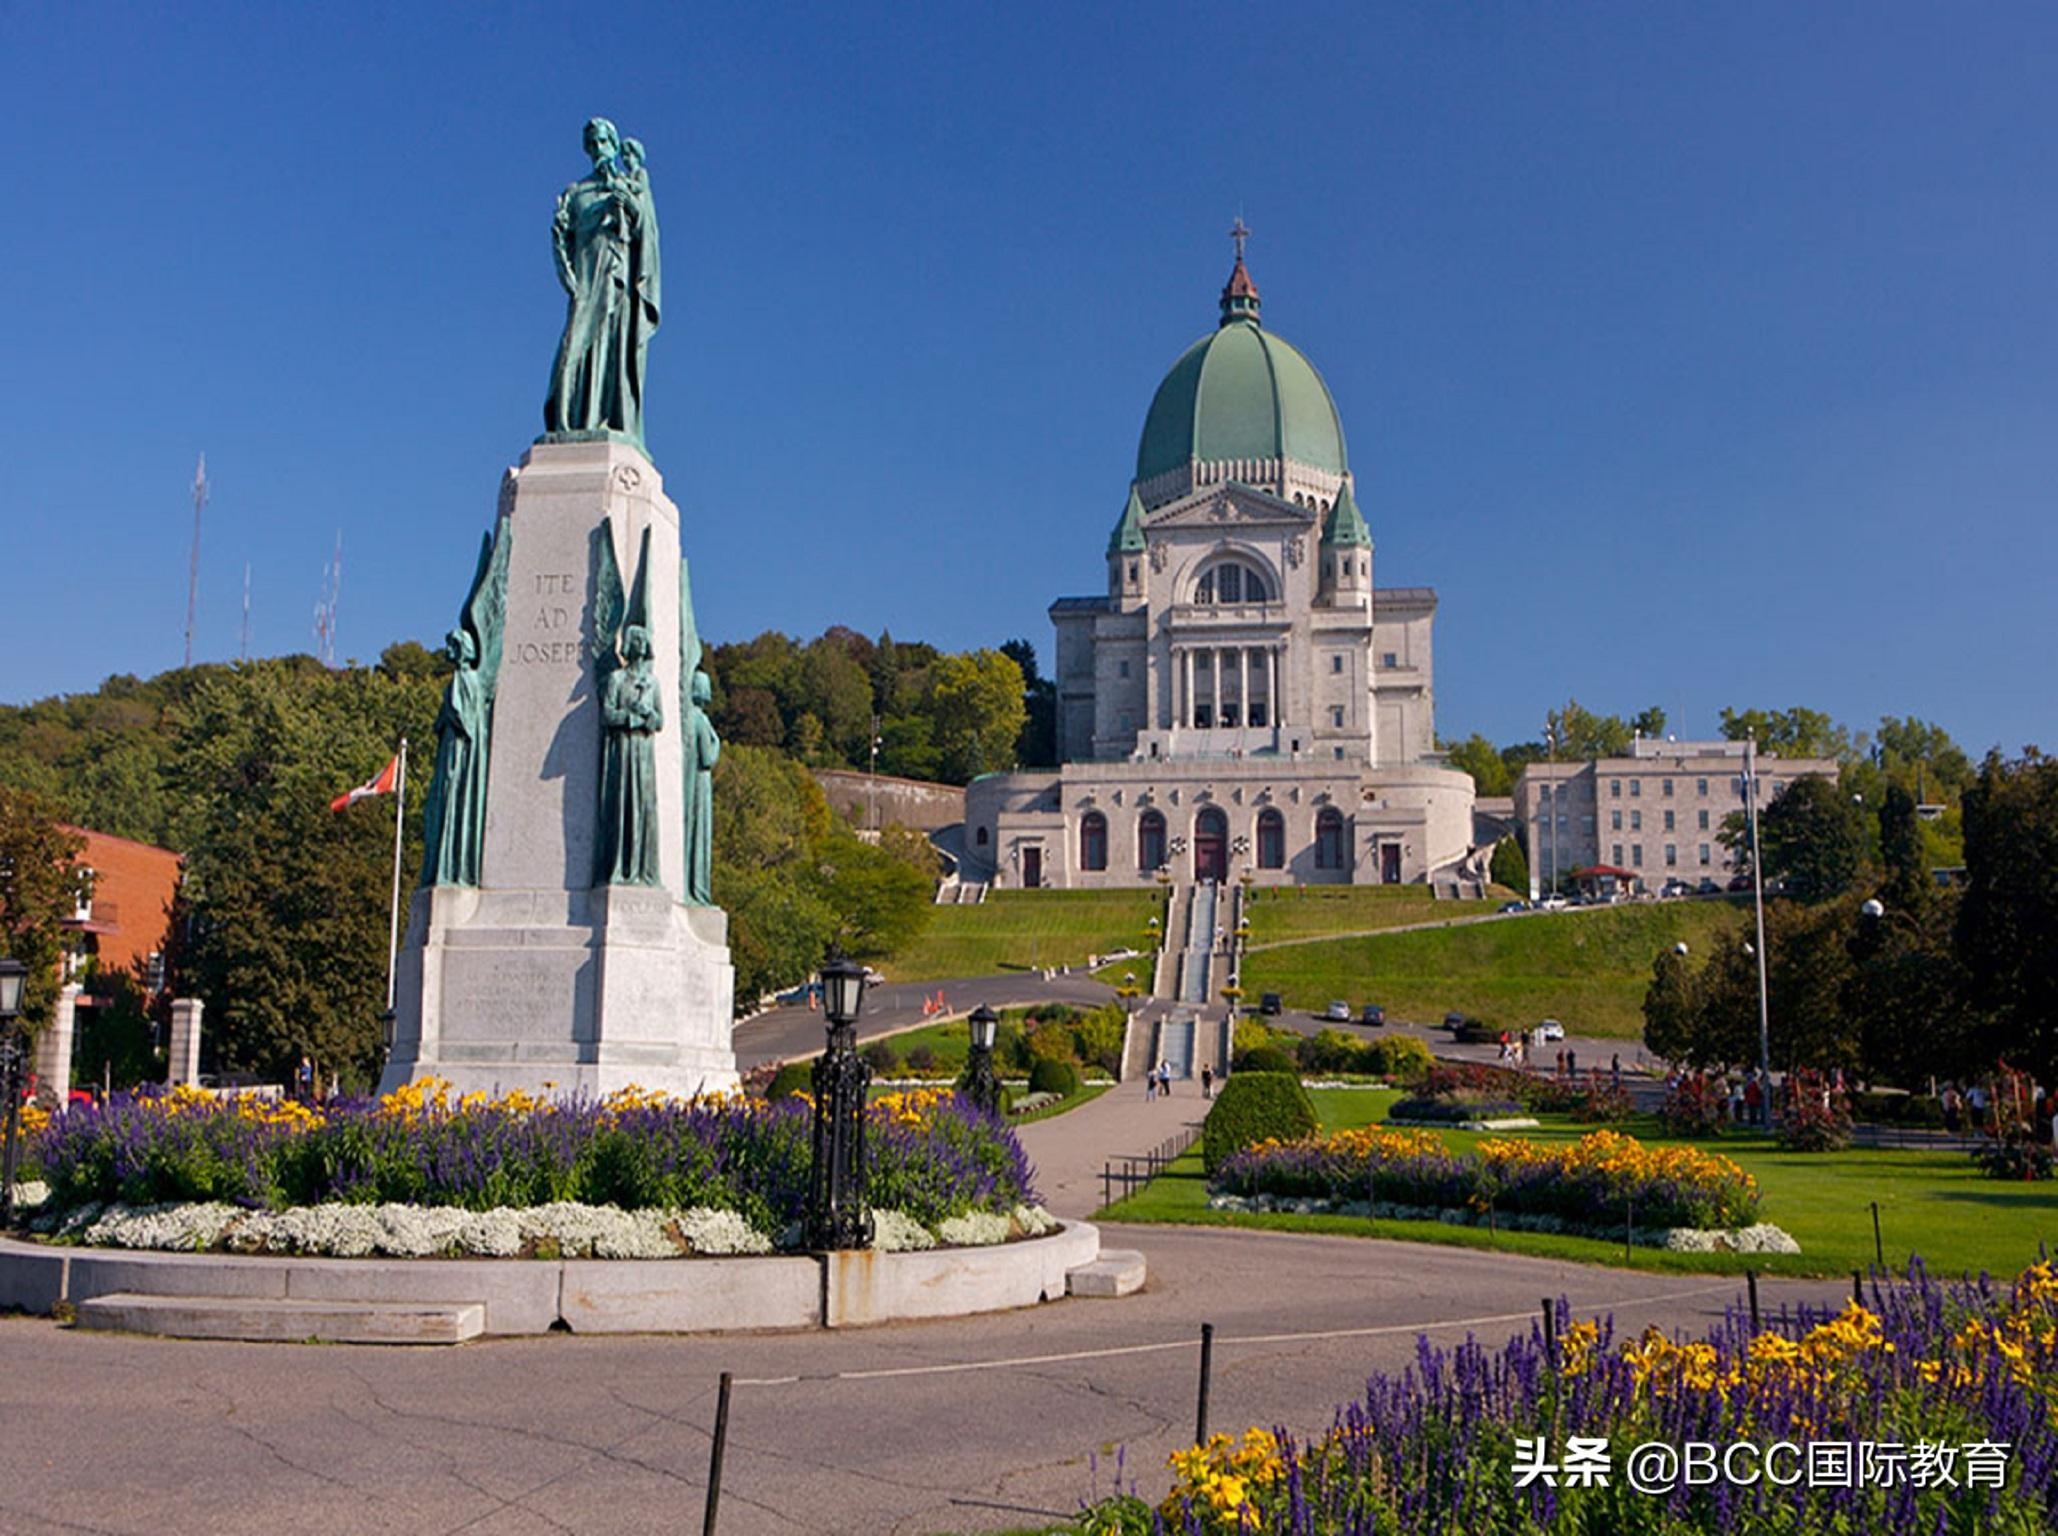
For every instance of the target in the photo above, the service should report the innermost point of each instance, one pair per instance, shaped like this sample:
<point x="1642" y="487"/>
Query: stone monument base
<point x="561" y="992"/>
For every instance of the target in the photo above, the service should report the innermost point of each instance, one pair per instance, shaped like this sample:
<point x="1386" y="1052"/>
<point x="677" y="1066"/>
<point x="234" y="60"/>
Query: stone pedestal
<point x="53" y="1045"/>
<point x="184" y="1065"/>
<point x="539" y="979"/>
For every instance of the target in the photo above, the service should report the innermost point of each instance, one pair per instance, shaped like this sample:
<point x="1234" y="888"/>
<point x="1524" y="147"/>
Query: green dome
<point x="1241" y="393"/>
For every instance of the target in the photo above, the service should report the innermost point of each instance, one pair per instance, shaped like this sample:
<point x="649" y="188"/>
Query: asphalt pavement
<point x="973" y="1424"/>
<point x="794" y="1031"/>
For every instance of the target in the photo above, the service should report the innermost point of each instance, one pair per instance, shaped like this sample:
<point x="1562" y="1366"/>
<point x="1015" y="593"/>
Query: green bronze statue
<point x="631" y="714"/>
<point x="454" y="823"/>
<point x="605" y="240"/>
<point x="703" y="748"/>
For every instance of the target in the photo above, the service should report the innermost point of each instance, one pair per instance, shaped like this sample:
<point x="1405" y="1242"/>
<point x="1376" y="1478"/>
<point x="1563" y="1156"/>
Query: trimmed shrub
<point x="1815" y="1117"/>
<point x="1399" y="1058"/>
<point x="1097" y="1038"/>
<point x="921" y="1059"/>
<point x="1695" y="1105"/>
<point x="794" y="1077"/>
<point x="1267" y="1058"/>
<point x="880" y="1056"/>
<point x="1452" y="1109"/>
<point x="1048" y="1075"/>
<point x="1332" y="1051"/>
<point x="1603" y="1101"/>
<point x="1254" y="1107"/>
<point x="1050" y="1040"/>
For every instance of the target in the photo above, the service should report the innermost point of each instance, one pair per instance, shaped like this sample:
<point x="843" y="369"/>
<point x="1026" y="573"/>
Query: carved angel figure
<point x="454" y="824"/>
<point x="631" y="714"/>
<point x="703" y="749"/>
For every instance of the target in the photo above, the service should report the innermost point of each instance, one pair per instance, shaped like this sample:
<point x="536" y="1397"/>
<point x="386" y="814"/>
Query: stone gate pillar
<point x="53" y="1046"/>
<point x="184" y="1067"/>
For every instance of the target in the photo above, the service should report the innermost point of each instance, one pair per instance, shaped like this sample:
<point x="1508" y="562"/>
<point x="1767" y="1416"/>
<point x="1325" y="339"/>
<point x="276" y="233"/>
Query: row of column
<point x="1250" y="663"/>
<point x="55" y="1043"/>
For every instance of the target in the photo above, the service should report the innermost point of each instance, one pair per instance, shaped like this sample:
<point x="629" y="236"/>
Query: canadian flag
<point x="380" y="783"/>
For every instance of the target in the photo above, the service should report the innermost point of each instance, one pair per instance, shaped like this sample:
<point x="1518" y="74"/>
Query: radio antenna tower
<point x="325" y="610"/>
<point x="193" y="565"/>
<point x="246" y="611"/>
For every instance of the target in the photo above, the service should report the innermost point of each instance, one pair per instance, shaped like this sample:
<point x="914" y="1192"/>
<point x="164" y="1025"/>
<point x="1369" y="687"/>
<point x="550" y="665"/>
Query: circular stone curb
<point x="528" y="1296"/>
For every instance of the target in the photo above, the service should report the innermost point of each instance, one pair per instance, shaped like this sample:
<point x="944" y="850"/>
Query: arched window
<point x="982" y="837"/>
<point x="1231" y="581"/>
<point x="1150" y="840"/>
<point x="1329" y="843"/>
<point x="1271" y="839"/>
<point x="1093" y="841"/>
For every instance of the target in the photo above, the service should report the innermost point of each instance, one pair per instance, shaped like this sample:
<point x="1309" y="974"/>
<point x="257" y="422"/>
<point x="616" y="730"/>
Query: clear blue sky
<point x="1698" y="355"/>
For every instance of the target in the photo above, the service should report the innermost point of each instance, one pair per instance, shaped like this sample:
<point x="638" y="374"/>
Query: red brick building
<point x="124" y="920"/>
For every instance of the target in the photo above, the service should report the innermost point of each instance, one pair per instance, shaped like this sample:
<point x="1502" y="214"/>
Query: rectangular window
<point x="1636" y="821"/>
<point x="1668" y="821"/>
<point x="1704" y="855"/>
<point x="1616" y="856"/>
<point x="1336" y="716"/>
<point x="1121" y="669"/>
<point x="1615" y="820"/>
<point x="1700" y="787"/>
<point x="1615" y="789"/>
<point x="1668" y="789"/>
<point x="1636" y="855"/>
<point x="1389" y="661"/>
<point x="1586" y="824"/>
<point x="1704" y="821"/>
<point x="1636" y="789"/>
<point x="1337" y="753"/>
<point x="1671" y="854"/>
<point x="1336" y="663"/>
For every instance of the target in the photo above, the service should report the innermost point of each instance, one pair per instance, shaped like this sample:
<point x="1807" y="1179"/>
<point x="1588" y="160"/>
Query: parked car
<point x="1269" y="1004"/>
<point x="1509" y="907"/>
<point x="1553" y="903"/>
<point x="1549" y="1029"/>
<point x="1338" y="1012"/>
<point x="1453" y="1020"/>
<point x="1739" y="882"/>
<point x="1673" y="888"/>
<point x="1707" y="887"/>
<point x="1373" y="1015"/>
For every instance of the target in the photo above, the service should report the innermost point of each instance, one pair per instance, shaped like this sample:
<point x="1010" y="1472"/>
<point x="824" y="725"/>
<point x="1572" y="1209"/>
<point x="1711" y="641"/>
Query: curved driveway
<point x="966" y="1425"/>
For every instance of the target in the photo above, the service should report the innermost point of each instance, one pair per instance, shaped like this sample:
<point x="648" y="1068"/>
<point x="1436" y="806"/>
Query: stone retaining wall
<point x="521" y="1296"/>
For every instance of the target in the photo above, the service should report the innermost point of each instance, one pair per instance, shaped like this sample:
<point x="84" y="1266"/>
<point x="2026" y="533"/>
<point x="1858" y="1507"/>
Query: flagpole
<point x="393" y="924"/>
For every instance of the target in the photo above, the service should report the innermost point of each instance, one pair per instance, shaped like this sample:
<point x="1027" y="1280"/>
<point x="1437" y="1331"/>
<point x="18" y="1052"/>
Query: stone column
<point x="53" y="1046"/>
<point x="1278" y="705"/>
<point x="184" y="1066"/>
<point x="1243" y="672"/>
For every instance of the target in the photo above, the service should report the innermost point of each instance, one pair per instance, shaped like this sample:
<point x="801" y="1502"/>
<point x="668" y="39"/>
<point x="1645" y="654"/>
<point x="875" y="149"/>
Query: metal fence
<point x="1130" y="1171"/>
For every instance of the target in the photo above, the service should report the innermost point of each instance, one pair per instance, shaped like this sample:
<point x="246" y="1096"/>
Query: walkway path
<point x="1070" y="1149"/>
<point x="795" y="1031"/>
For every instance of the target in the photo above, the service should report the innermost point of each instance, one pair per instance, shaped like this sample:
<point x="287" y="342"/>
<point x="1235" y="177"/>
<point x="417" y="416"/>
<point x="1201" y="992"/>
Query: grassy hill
<point x="1586" y="967"/>
<point x="1298" y="912"/>
<point x="1025" y="930"/>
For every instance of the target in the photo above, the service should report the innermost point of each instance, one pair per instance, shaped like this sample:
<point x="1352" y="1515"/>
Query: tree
<point x="770" y="816"/>
<point x="39" y="889"/>
<point x="1813" y="837"/>
<point x="1509" y="868"/>
<point x="1672" y="1011"/>
<point x="1038" y="746"/>
<point x="1795" y="732"/>
<point x="837" y="691"/>
<point x="2007" y="934"/>
<point x="1583" y="735"/>
<point x="750" y="718"/>
<point x="1649" y="723"/>
<point x="1480" y="758"/>
<point x="289" y="899"/>
<point x="976" y="701"/>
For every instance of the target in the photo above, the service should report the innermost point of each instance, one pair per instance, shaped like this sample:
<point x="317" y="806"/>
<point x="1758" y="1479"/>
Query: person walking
<point x="1165" y="1078"/>
<point x="1615" y="1069"/>
<point x="1150" y="1085"/>
<point x="1207" y="1082"/>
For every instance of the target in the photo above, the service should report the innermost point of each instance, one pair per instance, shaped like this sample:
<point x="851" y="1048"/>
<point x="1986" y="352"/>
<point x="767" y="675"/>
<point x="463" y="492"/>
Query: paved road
<point x="786" y="1034"/>
<point x="967" y="1425"/>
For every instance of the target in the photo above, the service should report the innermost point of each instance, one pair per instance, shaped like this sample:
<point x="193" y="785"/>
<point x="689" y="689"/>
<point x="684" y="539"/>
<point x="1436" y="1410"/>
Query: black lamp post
<point x="982" y="1085"/>
<point x="837" y="1215"/>
<point x="14" y="1050"/>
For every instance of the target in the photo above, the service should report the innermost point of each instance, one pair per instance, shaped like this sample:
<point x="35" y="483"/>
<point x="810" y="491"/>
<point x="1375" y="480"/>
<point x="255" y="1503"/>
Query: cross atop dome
<point x="1240" y="294"/>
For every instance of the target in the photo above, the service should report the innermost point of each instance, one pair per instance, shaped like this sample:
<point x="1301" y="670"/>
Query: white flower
<point x="177" y="1228"/>
<point x="974" y="1229"/>
<point x="1034" y="1220"/>
<point x="707" y="1230"/>
<point x="898" y="1232"/>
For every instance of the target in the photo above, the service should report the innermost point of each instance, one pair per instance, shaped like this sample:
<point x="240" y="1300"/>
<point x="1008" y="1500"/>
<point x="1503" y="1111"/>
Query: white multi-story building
<point x="1243" y="697"/>
<point x="1653" y="816"/>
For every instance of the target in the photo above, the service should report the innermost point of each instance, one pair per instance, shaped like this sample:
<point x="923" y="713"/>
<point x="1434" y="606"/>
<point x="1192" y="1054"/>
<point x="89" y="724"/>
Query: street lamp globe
<point x="12" y="974"/>
<point x="985" y="1026"/>
<point x="1872" y="906"/>
<point x="843" y="990"/>
<point x="1680" y="948"/>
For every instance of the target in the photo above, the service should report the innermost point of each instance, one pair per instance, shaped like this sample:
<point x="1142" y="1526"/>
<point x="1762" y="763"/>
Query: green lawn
<point x="1588" y="968"/>
<point x="1025" y="931"/>
<point x="950" y="1041"/>
<point x="1935" y="1204"/>
<point x="1313" y="911"/>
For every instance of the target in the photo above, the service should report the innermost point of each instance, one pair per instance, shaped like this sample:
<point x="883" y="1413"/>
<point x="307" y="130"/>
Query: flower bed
<point x="1604" y="1180"/>
<point x="720" y="1167"/>
<point x="1957" y="1383"/>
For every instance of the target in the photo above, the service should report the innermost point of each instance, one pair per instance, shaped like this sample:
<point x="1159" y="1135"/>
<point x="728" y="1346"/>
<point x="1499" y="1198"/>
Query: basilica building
<point x="1243" y="698"/>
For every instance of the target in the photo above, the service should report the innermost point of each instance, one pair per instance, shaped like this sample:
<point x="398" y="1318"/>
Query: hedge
<point x="1254" y="1107"/>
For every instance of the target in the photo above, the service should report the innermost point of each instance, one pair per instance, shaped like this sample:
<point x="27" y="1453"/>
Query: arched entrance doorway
<point x="1211" y="845"/>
